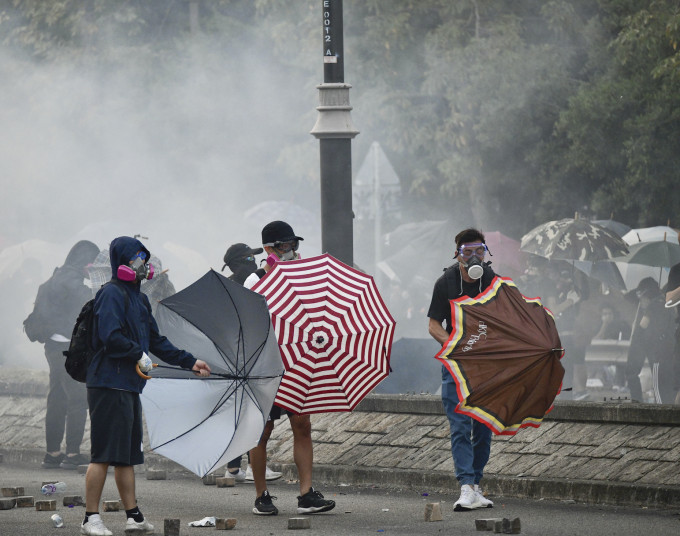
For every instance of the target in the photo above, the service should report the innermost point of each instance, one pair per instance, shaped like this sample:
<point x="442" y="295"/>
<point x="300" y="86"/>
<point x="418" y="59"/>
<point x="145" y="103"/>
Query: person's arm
<point x="673" y="295"/>
<point x="673" y="289"/>
<point x="437" y="331"/>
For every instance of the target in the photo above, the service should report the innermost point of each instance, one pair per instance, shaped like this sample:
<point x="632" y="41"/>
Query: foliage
<point x="505" y="114"/>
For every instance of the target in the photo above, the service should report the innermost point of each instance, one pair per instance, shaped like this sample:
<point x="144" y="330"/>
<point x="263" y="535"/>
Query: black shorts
<point x="277" y="411"/>
<point x="116" y="430"/>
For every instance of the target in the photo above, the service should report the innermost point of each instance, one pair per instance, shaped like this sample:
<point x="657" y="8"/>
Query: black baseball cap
<point x="278" y="231"/>
<point x="237" y="251"/>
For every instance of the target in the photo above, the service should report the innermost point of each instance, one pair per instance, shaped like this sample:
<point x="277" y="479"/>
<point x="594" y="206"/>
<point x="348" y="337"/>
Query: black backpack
<point x="80" y="351"/>
<point x="37" y="325"/>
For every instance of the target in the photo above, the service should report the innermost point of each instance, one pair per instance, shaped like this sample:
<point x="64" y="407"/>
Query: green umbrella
<point x="662" y="254"/>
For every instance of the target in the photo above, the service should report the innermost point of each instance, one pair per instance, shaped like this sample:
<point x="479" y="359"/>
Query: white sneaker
<point x="486" y="503"/>
<point x="95" y="527"/>
<point x="141" y="525"/>
<point x="468" y="499"/>
<point x="268" y="475"/>
<point x="240" y="475"/>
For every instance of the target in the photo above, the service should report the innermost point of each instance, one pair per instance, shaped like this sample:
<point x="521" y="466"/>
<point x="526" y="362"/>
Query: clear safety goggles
<point x="285" y="247"/>
<point x="468" y="250"/>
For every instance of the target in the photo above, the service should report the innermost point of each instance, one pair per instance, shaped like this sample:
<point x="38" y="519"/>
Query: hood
<point x="82" y="253"/>
<point x="122" y="250"/>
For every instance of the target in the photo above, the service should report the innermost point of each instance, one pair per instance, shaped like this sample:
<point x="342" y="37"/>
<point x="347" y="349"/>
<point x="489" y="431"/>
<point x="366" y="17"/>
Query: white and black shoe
<point x="139" y="525"/>
<point x="94" y="527"/>
<point x="486" y="503"/>
<point x="469" y="500"/>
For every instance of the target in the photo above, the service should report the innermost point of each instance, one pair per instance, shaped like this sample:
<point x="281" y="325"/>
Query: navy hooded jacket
<point x="122" y="332"/>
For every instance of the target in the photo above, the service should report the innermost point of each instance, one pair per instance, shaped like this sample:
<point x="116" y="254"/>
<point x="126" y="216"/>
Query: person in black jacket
<point x="60" y="302"/>
<point x="470" y="439"/>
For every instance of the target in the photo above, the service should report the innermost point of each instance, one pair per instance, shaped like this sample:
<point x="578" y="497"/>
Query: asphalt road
<point x="359" y="510"/>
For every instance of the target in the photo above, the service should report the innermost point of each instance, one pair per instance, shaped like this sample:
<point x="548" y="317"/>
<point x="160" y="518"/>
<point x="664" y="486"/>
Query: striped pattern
<point x="334" y="333"/>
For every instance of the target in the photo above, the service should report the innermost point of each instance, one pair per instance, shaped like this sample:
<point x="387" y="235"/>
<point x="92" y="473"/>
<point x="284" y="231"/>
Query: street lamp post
<point x="334" y="130"/>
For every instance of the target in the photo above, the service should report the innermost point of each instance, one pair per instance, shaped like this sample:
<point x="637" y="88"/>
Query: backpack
<point x="80" y="350"/>
<point x="37" y="324"/>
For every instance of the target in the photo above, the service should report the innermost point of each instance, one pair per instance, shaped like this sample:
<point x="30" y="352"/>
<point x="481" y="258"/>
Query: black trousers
<point x="66" y="404"/>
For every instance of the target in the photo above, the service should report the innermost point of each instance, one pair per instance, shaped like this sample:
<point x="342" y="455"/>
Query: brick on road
<point x="46" y="505"/>
<point x="13" y="492"/>
<point x="296" y="523"/>
<point x="225" y="523"/>
<point x="433" y="512"/>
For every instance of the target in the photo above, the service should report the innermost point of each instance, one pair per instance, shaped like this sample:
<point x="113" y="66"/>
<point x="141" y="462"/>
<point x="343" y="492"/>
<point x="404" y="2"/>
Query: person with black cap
<point x="241" y="261"/>
<point x="651" y="339"/>
<point x="281" y="244"/>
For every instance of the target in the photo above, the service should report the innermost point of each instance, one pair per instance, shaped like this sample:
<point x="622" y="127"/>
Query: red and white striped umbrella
<point x="334" y="332"/>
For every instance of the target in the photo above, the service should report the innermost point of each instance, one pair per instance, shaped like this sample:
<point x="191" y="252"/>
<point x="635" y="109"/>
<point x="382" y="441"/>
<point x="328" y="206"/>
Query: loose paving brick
<point x="27" y="501"/>
<point x="46" y="505"/>
<point x="486" y="524"/>
<point x="156" y="474"/>
<point x="209" y="480"/>
<point x="225" y="523"/>
<point x="296" y="523"/>
<point x="225" y="482"/>
<point x="7" y="503"/>
<point x="171" y="527"/>
<point x="73" y="500"/>
<point x="12" y="492"/>
<point x="111" y="506"/>
<point x="433" y="512"/>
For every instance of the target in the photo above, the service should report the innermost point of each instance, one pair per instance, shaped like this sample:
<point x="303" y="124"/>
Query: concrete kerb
<point x="585" y="491"/>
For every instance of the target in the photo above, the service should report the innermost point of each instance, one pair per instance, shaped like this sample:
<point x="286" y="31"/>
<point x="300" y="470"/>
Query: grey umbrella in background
<point x="613" y="225"/>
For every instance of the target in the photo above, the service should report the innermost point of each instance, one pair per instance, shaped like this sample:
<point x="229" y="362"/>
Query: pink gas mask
<point x="137" y="271"/>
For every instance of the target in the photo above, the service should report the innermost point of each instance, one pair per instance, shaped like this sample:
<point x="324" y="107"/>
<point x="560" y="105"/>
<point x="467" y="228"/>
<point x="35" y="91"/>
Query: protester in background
<point x="673" y="299"/>
<point x="124" y="334"/>
<point x="241" y="261"/>
<point x="563" y="298"/>
<point x="651" y="339"/>
<point x="470" y="439"/>
<point x="613" y="327"/>
<point x="281" y="244"/>
<point x="56" y="308"/>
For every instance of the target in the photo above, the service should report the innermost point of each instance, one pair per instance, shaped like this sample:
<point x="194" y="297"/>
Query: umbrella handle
<point x="141" y="373"/>
<point x="670" y="304"/>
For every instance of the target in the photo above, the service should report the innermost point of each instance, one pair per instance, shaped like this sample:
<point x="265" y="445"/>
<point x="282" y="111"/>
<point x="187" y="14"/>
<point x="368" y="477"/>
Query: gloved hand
<point x="145" y="363"/>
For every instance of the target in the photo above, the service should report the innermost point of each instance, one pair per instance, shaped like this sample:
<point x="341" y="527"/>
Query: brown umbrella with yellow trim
<point x="504" y="354"/>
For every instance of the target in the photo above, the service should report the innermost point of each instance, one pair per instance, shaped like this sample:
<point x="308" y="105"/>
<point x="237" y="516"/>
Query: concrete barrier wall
<point x="594" y="452"/>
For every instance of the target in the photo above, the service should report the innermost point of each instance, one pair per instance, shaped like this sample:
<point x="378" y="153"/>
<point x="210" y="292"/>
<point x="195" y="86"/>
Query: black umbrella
<point x="573" y="239"/>
<point x="203" y="423"/>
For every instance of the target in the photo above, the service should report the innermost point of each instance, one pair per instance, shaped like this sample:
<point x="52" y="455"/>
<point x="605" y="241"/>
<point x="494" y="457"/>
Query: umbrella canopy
<point x="504" y="355"/>
<point x="651" y="234"/>
<point x="203" y="423"/>
<point x="660" y="254"/>
<point x="613" y="225"/>
<point x="573" y="240"/>
<point x="333" y="329"/>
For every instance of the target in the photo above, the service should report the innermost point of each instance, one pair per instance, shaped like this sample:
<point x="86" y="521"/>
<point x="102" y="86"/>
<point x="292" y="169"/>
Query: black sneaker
<point x="72" y="462"/>
<point x="52" y="462"/>
<point x="313" y="502"/>
<point x="264" y="505"/>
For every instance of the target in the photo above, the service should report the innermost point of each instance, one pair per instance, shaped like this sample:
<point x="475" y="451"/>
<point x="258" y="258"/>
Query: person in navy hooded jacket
<point x="124" y="333"/>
